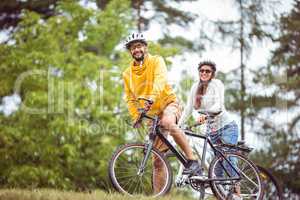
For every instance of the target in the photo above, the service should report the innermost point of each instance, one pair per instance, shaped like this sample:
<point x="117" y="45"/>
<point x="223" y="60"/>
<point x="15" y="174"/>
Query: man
<point x="147" y="77"/>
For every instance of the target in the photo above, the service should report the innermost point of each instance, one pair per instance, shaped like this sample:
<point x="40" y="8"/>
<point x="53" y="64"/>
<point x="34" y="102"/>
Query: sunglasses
<point x="205" y="70"/>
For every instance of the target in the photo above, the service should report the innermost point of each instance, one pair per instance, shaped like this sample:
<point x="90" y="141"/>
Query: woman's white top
<point x="212" y="101"/>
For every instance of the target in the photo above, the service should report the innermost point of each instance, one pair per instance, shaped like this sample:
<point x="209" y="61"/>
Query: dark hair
<point x="209" y="63"/>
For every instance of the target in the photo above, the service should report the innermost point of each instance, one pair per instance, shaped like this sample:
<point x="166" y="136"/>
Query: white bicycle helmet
<point x="135" y="37"/>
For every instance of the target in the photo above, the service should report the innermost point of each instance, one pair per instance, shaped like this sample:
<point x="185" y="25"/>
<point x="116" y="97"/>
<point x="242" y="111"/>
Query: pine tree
<point x="283" y="74"/>
<point x="251" y="26"/>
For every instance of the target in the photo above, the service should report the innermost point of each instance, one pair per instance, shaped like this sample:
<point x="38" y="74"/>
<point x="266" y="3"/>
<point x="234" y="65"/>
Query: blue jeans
<point x="229" y="135"/>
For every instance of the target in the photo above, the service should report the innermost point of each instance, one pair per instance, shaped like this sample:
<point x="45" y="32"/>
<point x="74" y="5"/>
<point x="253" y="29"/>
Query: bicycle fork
<point x="147" y="151"/>
<point x="148" y="148"/>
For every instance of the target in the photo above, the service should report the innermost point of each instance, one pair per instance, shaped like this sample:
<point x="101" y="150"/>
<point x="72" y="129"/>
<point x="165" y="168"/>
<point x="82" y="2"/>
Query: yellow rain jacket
<point x="147" y="81"/>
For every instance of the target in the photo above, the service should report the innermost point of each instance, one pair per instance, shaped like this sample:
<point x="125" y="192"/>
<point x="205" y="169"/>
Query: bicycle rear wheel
<point x="155" y="180"/>
<point x="272" y="189"/>
<point x="250" y="184"/>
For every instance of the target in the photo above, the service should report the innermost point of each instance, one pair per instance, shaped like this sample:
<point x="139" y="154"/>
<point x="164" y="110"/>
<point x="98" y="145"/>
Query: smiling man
<point x="147" y="77"/>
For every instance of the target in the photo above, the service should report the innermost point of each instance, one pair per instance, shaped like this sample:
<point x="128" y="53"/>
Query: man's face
<point x="138" y="50"/>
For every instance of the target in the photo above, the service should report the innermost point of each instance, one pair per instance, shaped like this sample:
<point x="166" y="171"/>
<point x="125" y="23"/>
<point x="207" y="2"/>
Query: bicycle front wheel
<point x="249" y="185"/>
<point x="128" y="177"/>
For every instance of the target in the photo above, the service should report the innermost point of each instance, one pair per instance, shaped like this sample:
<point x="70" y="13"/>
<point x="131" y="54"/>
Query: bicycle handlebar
<point x="150" y="101"/>
<point x="142" y="111"/>
<point x="208" y="116"/>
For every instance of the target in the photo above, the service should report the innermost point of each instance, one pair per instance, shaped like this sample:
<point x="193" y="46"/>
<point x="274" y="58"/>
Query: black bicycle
<point x="271" y="187"/>
<point x="133" y="167"/>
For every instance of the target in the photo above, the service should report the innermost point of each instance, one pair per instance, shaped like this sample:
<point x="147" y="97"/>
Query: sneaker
<point x="194" y="168"/>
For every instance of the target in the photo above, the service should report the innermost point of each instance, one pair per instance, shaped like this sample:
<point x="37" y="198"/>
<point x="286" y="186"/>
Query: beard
<point x="139" y="58"/>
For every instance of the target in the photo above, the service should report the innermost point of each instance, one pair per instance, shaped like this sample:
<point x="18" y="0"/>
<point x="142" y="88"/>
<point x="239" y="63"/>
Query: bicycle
<point x="271" y="188"/>
<point x="131" y="171"/>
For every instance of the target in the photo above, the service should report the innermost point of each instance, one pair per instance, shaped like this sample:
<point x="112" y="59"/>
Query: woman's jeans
<point x="229" y="135"/>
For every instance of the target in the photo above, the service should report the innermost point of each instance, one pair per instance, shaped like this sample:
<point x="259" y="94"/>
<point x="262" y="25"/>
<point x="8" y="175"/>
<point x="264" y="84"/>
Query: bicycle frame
<point x="155" y="132"/>
<point x="216" y="152"/>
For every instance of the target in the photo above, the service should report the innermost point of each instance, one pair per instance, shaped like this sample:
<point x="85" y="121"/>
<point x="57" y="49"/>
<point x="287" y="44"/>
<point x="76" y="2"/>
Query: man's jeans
<point x="229" y="135"/>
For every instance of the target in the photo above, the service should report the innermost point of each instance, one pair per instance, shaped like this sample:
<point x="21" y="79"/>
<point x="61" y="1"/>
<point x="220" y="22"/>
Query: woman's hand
<point x="201" y="119"/>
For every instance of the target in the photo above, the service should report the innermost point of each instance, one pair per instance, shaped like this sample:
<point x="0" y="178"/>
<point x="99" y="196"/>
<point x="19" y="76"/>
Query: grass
<point x="48" y="194"/>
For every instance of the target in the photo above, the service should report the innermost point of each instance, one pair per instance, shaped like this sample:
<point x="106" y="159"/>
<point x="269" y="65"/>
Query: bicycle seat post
<point x="207" y="132"/>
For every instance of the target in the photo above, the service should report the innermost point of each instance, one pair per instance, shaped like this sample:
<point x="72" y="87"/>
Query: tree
<point x="63" y="133"/>
<point x="11" y="10"/>
<point x="282" y="74"/>
<point x="145" y="11"/>
<point x="251" y="26"/>
<point x="166" y="13"/>
<point x="67" y="71"/>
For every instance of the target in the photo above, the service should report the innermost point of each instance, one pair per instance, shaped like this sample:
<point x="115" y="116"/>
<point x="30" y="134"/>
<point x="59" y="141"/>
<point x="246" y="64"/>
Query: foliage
<point x="64" y="70"/>
<point x="10" y="10"/>
<point x="282" y="75"/>
<point x="165" y="12"/>
<point x="67" y="71"/>
<point x="253" y="24"/>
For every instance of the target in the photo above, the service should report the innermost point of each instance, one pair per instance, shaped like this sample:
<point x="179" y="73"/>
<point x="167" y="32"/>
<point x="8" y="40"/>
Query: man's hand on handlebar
<point x="147" y="106"/>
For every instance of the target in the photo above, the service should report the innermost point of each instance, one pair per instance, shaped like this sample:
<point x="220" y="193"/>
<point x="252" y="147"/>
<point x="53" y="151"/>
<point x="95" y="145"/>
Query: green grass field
<point x="46" y="194"/>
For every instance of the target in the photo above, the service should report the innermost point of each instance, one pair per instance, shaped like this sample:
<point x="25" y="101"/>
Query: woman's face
<point x="205" y="73"/>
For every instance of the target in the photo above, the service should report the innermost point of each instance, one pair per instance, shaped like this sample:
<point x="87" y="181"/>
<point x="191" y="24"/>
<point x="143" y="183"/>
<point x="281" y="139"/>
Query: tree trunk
<point x="139" y="18"/>
<point x="242" y="82"/>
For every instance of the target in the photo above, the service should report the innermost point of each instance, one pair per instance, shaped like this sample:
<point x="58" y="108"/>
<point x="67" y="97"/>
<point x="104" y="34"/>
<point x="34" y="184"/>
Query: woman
<point x="207" y="95"/>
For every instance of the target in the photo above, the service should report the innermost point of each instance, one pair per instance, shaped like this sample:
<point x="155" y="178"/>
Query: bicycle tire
<point x="272" y="188"/>
<point x="250" y="185"/>
<point x="126" y="159"/>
